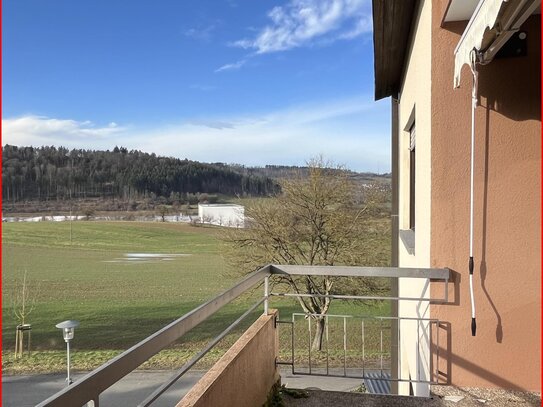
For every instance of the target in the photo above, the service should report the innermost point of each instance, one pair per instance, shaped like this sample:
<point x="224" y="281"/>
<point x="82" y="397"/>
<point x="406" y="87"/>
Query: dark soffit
<point x="392" y="20"/>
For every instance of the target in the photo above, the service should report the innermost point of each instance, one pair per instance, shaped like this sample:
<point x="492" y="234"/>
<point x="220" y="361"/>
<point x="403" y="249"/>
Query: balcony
<point x="387" y="353"/>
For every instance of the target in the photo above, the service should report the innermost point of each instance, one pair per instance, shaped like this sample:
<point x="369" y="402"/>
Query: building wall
<point x="507" y="278"/>
<point x="245" y="374"/>
<point x="415" y="96"/>
<point x="222" y="215"/>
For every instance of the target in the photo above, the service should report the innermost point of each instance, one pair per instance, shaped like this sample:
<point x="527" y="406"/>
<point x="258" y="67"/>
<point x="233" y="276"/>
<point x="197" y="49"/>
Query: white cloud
<point x="301" y="22"/>
<point x="213" y="124"/>
<point x="231" y="67"/>
<point x="352" y="131"/>
<point x="41" y="130"/>
<point x="364" y="25"/>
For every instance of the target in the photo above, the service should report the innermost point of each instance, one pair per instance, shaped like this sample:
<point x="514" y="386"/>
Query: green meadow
<point x="100" y="274"/>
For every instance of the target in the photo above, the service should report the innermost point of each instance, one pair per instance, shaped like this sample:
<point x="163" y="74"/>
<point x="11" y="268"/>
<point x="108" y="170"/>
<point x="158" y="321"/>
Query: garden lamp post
<point x="68" y="328"/>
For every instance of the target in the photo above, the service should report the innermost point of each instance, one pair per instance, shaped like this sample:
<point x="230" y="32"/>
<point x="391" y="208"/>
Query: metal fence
<point x="356" y="346"/>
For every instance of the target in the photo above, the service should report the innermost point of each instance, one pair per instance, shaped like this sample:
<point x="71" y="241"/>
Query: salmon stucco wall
<point x="507" y="240"/>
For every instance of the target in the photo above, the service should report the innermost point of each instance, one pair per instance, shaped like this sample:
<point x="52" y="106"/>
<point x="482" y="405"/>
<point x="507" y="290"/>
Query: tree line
<point x="43" y="173"/>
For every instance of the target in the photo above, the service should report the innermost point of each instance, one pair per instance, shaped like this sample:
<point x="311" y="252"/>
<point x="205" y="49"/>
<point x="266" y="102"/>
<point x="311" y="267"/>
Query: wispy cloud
<point x="302" y="22"/>
<point x="231" y="67"/>
<point x="201" y="33"/>
<point x="353" y="131"/>
<point x="213" y="124"/>
<point x="40" y="130"/>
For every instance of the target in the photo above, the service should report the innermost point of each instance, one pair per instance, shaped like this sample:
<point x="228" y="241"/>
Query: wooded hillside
<point x="43" y="173"/>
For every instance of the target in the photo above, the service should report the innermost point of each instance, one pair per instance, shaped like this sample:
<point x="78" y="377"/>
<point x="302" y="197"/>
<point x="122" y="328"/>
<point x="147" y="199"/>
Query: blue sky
<point x="253" y="82"/>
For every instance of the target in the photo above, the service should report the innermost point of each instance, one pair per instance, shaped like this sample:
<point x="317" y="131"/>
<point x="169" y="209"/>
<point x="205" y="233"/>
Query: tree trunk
<point x="318" y="340"/>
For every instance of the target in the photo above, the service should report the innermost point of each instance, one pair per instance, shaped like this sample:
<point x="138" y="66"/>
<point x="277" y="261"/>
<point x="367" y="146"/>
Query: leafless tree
<point x="316" y="220"/>
<point x="163" y="211"/>
<point x="88" y="212"/>
<point x="23" y="302"/>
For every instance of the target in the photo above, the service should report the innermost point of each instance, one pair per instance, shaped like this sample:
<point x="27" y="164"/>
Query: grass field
<point x="84" y="274"/>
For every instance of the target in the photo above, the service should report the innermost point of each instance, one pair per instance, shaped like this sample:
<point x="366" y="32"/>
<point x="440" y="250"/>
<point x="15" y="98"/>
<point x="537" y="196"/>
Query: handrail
<point x="89" y="387"/>
<point x="187" y="366"/>
<point x="353" y="271"/>
<point x="355" y="297"/>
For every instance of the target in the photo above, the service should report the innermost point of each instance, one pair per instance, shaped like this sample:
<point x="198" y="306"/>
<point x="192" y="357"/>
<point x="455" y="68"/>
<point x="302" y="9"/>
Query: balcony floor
<point x="471" y="397"/>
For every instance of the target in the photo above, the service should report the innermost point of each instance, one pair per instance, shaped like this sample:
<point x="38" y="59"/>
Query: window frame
<point x="407" y="236"/>
<point x="412" y="177"/>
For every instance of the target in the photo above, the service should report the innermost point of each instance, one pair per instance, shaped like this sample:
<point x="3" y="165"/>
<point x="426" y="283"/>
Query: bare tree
<point x="316" y="220"/>
<point x="88" y="212"/>
<point x="23" y="302"/>
<point x="163" y="211"/>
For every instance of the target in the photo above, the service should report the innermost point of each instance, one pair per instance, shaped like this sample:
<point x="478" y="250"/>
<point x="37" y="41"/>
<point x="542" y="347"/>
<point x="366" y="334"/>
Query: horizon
<point x="330" y="165"/>
<point x="232" y="81"/>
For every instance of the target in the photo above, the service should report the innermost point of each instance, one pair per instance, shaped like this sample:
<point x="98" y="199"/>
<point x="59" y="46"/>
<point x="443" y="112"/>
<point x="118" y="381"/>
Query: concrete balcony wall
<point x="244" y="376"/>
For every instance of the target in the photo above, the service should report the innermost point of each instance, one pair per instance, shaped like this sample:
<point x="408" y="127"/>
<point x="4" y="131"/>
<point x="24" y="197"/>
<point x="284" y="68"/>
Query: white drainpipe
<point x="471" y="265"/>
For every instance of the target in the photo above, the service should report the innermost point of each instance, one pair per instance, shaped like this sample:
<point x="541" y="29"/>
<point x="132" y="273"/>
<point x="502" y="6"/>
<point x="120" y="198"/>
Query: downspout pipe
<point x="473" y="61"/>
<point x="394" y="261"/>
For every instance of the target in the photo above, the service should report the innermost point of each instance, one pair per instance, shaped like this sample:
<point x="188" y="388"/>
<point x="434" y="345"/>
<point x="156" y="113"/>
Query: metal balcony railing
<point x="87" y="390"/>
<point x="354" y="344"/>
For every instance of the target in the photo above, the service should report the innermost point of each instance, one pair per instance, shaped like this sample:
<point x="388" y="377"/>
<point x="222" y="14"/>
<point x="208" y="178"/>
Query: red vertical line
<point x="541" y="186"/>
<point x="1" y="234"/>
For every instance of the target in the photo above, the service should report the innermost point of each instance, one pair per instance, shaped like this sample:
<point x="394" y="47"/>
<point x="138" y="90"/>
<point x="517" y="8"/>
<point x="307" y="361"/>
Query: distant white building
<point x="222" y="215"/>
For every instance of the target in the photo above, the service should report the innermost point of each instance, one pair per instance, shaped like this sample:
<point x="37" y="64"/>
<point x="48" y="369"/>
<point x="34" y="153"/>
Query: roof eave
<point x="392" y="20"/>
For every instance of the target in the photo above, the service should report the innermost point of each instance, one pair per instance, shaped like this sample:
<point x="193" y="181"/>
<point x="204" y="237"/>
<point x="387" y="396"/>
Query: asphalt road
<point x="26" y="391"/>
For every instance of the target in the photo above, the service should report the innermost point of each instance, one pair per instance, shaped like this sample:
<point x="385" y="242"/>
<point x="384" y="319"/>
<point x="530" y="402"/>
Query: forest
<point x="46" y="173"/>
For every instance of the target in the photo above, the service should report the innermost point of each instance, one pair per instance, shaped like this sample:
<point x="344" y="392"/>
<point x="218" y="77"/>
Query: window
<point x="412" y="166"/>
<point x="408" y="156"/>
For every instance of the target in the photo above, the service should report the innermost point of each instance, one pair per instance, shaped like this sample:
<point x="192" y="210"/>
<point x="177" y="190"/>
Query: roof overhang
<point x="490" y="26"/>
<point x="392" y="20"/>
